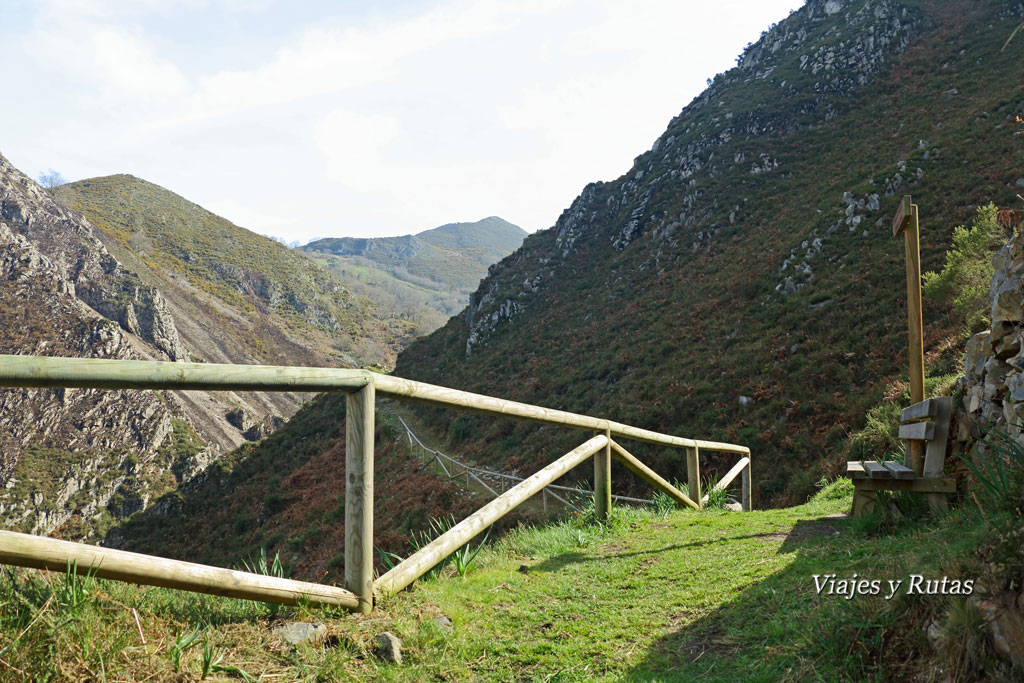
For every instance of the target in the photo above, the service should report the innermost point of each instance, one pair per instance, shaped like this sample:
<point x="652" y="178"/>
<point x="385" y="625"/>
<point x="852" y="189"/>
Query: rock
<point x="254" y="433"/>
<point x="1007" y="290"/>
<point x="443" y="623"/>
<point x="389" y="647"/>
<point x="746" y="401"/>
<point x="295" y="632"/>
<point x="1005" y="621"/>
<point x="978" y="350"/>
<point x="1020" y="182"/>
<point x="934" y="635"/>
<point x="238" y="419"/>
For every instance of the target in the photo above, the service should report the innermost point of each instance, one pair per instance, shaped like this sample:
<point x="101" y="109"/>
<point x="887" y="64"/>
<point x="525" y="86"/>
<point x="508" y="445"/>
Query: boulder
<point x="389" y="647"/>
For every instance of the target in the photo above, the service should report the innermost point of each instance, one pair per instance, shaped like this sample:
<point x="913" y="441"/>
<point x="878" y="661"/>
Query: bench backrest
<point x="929" y="421"/>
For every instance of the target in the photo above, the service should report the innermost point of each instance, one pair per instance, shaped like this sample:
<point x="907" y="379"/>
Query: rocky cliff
<point x="77" y="453"/>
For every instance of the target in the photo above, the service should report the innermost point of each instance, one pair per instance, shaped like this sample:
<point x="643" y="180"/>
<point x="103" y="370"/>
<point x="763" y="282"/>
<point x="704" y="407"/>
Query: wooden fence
<point x="362" y="387"/>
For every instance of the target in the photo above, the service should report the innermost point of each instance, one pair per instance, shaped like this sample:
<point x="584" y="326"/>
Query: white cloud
<point x="372" y="121"/>
<point x="79" y="42"/>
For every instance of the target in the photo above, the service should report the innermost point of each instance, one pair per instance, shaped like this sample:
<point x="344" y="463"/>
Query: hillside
<point x="424" y="278"/>
<point x="120" y="268"/>
<point x="655" y="595"/>
<point x="740" y="282"/>
<point x="77" y="460"/>
<point x="239" y="297"/>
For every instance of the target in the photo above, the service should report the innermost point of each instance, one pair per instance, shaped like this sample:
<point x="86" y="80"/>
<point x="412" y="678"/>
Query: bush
<point x="966" y="276"/>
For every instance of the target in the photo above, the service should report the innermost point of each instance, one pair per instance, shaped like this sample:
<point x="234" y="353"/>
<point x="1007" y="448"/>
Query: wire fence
<point x="489" y="479"/>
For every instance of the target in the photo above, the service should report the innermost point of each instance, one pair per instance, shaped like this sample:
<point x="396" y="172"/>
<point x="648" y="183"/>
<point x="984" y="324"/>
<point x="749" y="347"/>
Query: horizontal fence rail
<point x="362" y="387"/>
<point x="26" y="550"/>
<point x="101" y="373"/>
<point x="422" y="392"/>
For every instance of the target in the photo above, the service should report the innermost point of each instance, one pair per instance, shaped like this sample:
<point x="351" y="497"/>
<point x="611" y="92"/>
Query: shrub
<point x="965" y="278"/>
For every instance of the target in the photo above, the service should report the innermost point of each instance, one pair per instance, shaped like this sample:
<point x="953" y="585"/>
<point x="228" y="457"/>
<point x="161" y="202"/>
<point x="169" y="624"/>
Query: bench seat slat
<point x="855" y="470"/>
<point x="919" y="411"/>
<point x="898" y="470"/>
<point x="920" y="431"/>
<point x="876" y="470"/>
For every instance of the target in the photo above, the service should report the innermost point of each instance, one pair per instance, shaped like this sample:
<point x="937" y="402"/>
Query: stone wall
<point x="993" y="383"/>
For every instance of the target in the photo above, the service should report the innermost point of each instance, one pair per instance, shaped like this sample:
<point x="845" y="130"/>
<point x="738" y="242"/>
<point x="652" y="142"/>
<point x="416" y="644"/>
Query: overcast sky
<point x="308" y="119"/>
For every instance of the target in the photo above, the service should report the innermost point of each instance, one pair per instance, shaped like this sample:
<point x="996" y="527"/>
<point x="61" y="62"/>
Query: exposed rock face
<point x="826" y="50"/>
<point x="993" y="384"/>
<point x="78" y="258"/>
<point x="76" y="447"/>
<point x="68" y="454"/>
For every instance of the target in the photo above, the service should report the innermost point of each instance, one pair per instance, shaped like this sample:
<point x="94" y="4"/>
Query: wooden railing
<point x="453" y="469"/>
<point x="362" y="387"/>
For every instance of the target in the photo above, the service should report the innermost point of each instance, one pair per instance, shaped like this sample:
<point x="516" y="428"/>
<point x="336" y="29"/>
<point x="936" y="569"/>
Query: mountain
<point x="239" y="297"/>
<point x="74" y="459"/>
<point x="158" y="278"/>
<point x="424" y="278"/>
<point x="740" y="282"/>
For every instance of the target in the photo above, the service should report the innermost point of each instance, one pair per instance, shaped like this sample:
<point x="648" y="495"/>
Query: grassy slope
<point x="652" y="596"/>
<point x="427" y="277"/>
<point x="668" y="337"/>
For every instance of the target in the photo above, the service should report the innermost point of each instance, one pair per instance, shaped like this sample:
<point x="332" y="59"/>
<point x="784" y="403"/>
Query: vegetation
<point x="730" y="597"/>
<point x="217" y="274"/>
<point x="965" y="278"/>
<point x="424" y="278"/>
<point x="668" y="332"/>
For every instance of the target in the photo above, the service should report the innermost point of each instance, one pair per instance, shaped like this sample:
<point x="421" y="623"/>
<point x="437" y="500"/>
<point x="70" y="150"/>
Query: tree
<point x="51" y="179"/>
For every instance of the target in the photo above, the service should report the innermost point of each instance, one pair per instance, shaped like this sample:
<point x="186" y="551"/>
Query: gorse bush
<point x="965" y="278"/>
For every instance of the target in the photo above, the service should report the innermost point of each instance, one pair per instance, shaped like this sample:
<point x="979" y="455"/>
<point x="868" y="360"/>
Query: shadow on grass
<point x="781" y="628"/>
<point x="792" y="540"/>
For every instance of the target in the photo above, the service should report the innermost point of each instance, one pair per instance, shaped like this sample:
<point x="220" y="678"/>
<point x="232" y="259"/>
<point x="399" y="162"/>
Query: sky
<point x="339" y="118"/>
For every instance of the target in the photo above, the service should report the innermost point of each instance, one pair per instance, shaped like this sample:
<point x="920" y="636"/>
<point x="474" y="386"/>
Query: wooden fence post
<point x="745" y="487"/>
<point x="603" y="480"/>
<point x="359" y="427"/>
<point x="693" y="474"/>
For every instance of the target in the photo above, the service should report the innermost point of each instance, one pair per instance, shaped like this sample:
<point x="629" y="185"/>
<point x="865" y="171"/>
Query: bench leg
<point x="864" y="502"/>
<point x="937" y="502"/>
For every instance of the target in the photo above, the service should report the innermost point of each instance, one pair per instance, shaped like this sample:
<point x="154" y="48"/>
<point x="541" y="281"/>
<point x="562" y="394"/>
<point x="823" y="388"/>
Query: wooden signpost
<point x="906" y="222"/>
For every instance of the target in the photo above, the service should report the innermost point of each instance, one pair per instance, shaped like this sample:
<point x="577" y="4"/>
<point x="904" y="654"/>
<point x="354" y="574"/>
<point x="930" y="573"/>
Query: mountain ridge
<point x="425" y="277"/>
<point x="736" y="283"/>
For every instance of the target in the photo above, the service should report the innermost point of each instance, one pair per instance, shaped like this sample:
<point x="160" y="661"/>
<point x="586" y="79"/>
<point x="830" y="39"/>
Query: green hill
<point x="424" y="278"/>
<point x="740" y="281"/>
<point x="240" y="297"/>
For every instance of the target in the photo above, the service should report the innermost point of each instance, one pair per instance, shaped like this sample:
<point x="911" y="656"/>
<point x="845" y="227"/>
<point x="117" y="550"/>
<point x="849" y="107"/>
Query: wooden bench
<point x="926" y="421"/>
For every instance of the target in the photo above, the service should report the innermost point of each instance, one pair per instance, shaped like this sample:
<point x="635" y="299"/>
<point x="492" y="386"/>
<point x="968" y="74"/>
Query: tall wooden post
<point x="603" y="480"/>
<point x="359" y="426"/>
<point x="906" y="221"/>
<point x="693" y="474"/>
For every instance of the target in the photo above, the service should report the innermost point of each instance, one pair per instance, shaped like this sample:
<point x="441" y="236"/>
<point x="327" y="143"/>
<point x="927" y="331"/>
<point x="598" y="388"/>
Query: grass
<point x="651" y="595"/>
